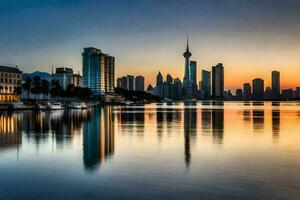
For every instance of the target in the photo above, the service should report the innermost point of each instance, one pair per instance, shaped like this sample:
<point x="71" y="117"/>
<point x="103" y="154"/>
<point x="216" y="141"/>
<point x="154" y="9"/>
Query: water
<point x="210" y="150"/>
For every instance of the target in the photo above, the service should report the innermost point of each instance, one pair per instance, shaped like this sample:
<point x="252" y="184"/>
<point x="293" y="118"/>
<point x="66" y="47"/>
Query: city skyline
<point x="250" y="44"/>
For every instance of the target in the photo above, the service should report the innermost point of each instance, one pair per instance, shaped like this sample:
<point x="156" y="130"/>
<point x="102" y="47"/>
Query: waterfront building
<point x="139" y="83"/>
<point x="288" y="94"/>
<point x="65" y="77"/>
<point x="268" y="94"/>
<point x="297" y="93"/>
<point x="258" y="89"/>
<point x="10" y="83"/>
<point x="98" y="71"/>
<point x="218" y="81"/>
<point x="239" y="94"/>
<point x="76" y="80"/>
<point x="275" y="85"/>
<point x="159" y="79"/>
<point x="177" y="89"/>
<point x="247" y="91"/>
<point x="169" y="79"/>
<point x="109" y="73"/>
<point x="205" y="84"/>
<point x="130" y="82"/>
<point x="193" y="75"/>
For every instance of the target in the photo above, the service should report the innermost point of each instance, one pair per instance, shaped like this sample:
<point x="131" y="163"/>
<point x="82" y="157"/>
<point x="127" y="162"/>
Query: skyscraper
<point x="247" y="92"/>
<point x="275" y="84"/>
<point x="258" y="88"/>
<point x="139" y="83"/>
<point x="159" y="79"/>
<point x="218" y="81"/>
<point x="205" y="83"/>
<point x="187" y="87"/>
<point x="169" y="79"/>
<point x="130" y="82"/>
<point x="98" y="71"/>
<point x="193" y="75"/>
<point x="109" y="73"/>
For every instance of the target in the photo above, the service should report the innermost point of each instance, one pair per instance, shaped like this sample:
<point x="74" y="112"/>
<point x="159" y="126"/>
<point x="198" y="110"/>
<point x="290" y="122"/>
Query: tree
<point x="45" y="88"/>
<point x="56" y="90"/>
<point x="27" y="86"/>
<point x="37" y="88"/>
<point x="18" y="90"/>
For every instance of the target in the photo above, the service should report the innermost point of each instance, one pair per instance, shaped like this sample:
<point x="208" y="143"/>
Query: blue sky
<point x="146" y="36"/>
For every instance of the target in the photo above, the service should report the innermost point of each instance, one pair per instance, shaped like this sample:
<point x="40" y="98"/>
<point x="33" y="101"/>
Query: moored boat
<point x="54" y="106"/>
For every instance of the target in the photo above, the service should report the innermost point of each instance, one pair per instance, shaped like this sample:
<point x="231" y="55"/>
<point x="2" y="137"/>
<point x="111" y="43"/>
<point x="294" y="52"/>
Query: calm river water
<point x="209" y="150"/>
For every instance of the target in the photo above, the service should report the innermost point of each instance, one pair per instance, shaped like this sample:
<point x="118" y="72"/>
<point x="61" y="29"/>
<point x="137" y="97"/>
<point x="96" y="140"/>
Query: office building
<point x="275" y="84"/>
<point x="65" y="77"/>
<point x="193" y="75"/>
<point x="98" y="71"/>
<point x="169" y="79"/>
<point x="297" y="93"/>
<point x="130" y="82"/>
<point x="218" y="81"/>
<point x="288" y="94"/>
<point x="10" y="83"/>
<point x="139" y="83"/>
<point x="258" y="89"/>
<point x="159" y="79"/>
<point x="247" y="91"/>
<point x="205" y="84"/>
<point x="239" y="94"/>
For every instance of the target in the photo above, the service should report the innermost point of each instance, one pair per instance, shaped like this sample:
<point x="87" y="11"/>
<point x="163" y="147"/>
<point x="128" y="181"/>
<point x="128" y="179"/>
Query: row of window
<point x="7" y="89"/>
<point x="10" y="81"/>
<point x="9" y="98"/>
<point x="10" y="75"/>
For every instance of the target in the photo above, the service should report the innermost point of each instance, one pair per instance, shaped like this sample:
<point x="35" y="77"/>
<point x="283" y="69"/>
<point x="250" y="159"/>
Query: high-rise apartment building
<point x="218" y="81"/>
<point x="98" y="71"/>
<point x="275" y="85"/>
<point x="130" y="82"/>
<point x="205" y="83"/>
<point x="247" y="92"/>
<point x="258" y="89"/>
<point x="139" y="83"/>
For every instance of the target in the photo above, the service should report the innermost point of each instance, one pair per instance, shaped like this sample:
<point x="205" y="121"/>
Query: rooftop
<point x="10" y="69"/>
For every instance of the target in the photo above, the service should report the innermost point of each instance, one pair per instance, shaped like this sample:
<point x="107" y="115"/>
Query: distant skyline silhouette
<point x="251" y="38"/>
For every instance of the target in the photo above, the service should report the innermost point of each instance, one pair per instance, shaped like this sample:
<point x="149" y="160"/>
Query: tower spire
<point x="187" y="42"/>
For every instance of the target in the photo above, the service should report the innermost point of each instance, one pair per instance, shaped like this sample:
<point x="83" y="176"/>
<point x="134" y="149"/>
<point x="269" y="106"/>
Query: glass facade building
<point x="98" y="71"/>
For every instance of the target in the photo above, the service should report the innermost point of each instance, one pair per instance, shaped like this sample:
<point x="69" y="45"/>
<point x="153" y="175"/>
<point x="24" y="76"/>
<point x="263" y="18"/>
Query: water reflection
<point x="190" y="131"/>
<point x="98" y="138"/>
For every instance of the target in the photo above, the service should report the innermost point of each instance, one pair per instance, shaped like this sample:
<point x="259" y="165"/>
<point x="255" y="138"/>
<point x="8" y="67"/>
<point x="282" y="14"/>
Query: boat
<point x="41" y="107"/>
<point x="17" y="105"/>
<point x="77" y="105"/>
<point x="54" y="106"/>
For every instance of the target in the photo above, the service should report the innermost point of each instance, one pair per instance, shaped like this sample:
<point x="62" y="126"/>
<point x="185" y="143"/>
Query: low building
<point x="288" y="94"/>
<point x="65" y="77"/>
<point x="10" y="83"/>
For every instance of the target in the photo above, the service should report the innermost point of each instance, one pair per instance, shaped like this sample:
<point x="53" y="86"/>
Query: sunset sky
<point x="250" y="37"/>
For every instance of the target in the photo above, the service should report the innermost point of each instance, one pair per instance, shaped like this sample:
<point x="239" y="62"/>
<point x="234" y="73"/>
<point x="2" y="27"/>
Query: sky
<point x="250" y="37"/>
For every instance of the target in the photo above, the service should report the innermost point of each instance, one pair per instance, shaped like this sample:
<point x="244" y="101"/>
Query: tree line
<point x="38" y="86"/>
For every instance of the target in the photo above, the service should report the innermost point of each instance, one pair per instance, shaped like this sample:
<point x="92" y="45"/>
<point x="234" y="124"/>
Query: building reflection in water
<point x="10" y="133"/>
<point x="258" y="116"/>
<point x="218" y="123"/>
<point x="275" y="119"/>
<point x="98" y="138"/>
<point x="190" y="130"/>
